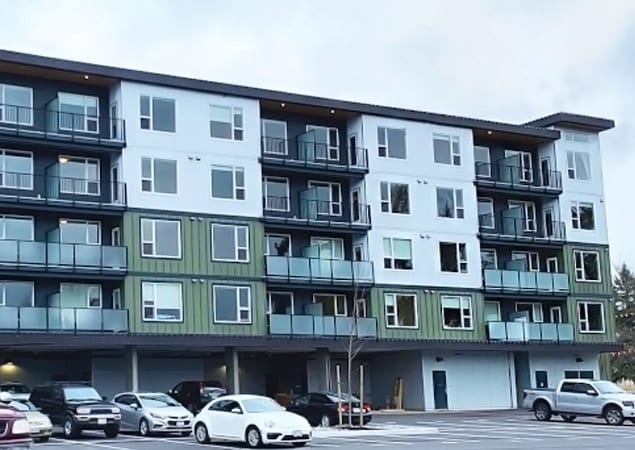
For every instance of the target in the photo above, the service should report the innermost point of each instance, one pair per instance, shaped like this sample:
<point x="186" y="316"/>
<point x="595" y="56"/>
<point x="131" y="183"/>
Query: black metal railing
<point x="506" y="176"/>
<point x="292" y="269"/>
<point x="505" y="227"/>
<point x="530" y="332"/>
<point x="322" y="326"/>
<point x="316" y="212"/>
<point x="60" y="125"/>
<point x="63" y="320"/>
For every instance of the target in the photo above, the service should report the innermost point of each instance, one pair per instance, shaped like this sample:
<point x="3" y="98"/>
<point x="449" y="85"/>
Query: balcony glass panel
<point x="342" y="270"/>
<point x="320" y="268"/>
<point x="32" y="253"/>
<point x="560" y="282"/>
<point x="344" y="326"/>
<point x="516" y="331"/>
<point x="33" y="318"/>
<point x="527" y="281"/>
<point x="61" y="319"/>
<point x="532" y="331"/>
<point x="497" y="331"/>
<point x="565" y="332"/>
<point x="510" y="280"/>
<point x="366" y="327"/>
<point x="493" y="278"/>
<point x="87" y="255"/>
<point x="115" y="320"/>
<point x="277" y="266"/>
<point x="299" y="268"/>
<point x="279" y="324"/>
<point x="324" y="325"/>
<point x="363" y="271"/>
<point x="545" y="281"/>
<point x="9" y="252"/>
<point x="8" y="318"/>
<point x="302" y="325"/>
<point x="88" y="319"/>
<point x="550" y="332"/>
<point x="113" y="257"/>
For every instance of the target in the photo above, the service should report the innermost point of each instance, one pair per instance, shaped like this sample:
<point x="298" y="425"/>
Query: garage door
<point x="162" y="374"/>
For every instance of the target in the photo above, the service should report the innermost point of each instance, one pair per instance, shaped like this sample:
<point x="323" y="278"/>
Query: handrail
<point x="517" y="177"/>
<point x="332" y="271"/>
<point x="503" y="225"/>
<point x="333" y="213"/>
<point x="322" y="326"/>
<point x="530" y="331"/>
<point x="61" y="319"/>
<point x="521" y="281"/>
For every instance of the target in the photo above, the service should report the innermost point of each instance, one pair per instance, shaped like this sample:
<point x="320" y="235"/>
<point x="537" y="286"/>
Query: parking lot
<point x="488" y="430"/>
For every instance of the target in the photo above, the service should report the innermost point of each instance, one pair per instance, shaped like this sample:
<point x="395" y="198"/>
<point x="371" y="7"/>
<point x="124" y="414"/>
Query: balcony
<point x="507" y="228"/>
<point x="301" y="156"/>
<point x="498" y="177"/>
<point x="35" y="256"/>
<point x="530" y="332"/>
<point x="64" y="127"/>
<point x="331" y="272"/>
<point x="63" y="320"/>
<point x="317" y="214"/>
<point x="322" y="326"/>
<point x="525" y="282"/>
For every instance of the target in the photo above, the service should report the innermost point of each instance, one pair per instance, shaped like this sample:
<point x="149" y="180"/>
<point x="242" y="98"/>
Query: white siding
<point x="556" y="365"/>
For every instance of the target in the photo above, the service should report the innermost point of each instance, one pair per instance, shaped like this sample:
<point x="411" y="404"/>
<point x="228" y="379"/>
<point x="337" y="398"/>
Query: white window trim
<point x="536" y="310"/>
<point x="64" y="220"/>
<point x="336" y="303"/>
<point x="150" y="116"/>
<point x="550" y="260"/>
<point x="551" y="311"/>
<point x="153" y="237"/>
<point x="237" y="247"/>
<point x="87" y="163"/>
<point x="491" y="250"/>
<point x="3" y="295"/>
<point x="393" y="296"/>
<point x="387" y="146"/>
<point x="329" y="144"/>
<point x="498" y="310"/>
<point x="451" y="139"/>
<point x="527" y="206"/>
<point x="318" y="183"/>
<point x="523" y="169"/>
<point x="392" y="257"/>
<point x="462" y="299"/>
<point x="3" y="153"/>
<point x="154" y="285"/>
<point x="581" y="269"/>
<point x="234" y="127"/>
<point x="389" y="200"/>
<point x="235" y="188"/>
<point x="265" y="193"/>
<point x="3" y="105"/>
<point x="264" y="136"/>
<point x="116" y="299"/>
<point x="151" y="179"/>
<point x="526" y="255"/>
<point x="314" y="242"/>
<point x="85" y="115"/>
<point x="459" y="261"/>
<point x="455" y="202"/>
<point x="287" y="293"/>
<point x="574" y="168"/>
<point x="267" y="250"/>
<point x="490" y="201"/>
<point x="489" y="162"/>
<point x="237" y="289"/>
<point x="576" y="204"/>
<point x="31" y="220"/>
<point x="580" y="321"/>
<point x="88" y="288"/>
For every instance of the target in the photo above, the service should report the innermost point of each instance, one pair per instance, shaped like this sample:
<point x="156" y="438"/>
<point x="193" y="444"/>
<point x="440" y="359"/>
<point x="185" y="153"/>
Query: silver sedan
<point x="152" y="412"/>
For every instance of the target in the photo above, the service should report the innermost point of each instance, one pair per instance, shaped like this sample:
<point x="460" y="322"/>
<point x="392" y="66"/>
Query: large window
<point x="489" y="259"/>
<point x="162" y="302"/>
<point x="328" y="248"/>
<point x="391" y="142"/>
<point x="525" y="216"/>
<point x="73" y="231"/>
<point x="274" y="137"/>
<point x="591" y="317"/>
<point x="328" y="197"/>
<point x="397" y="254"/>
<point x="394" y="198"/>
<point x="226" y="122"/>
<point x="279" y="302"/>
<point x="230" y="243"/>
<point x="578" y="166"/>
<point x="232" y="304"/>
<point x="482" y="162"/>
<point x="533" y="310"/>
<point x="16" y="169"/>
<point x="16" y="103"/>
<point x="520" y="165"/>
<point x="587" y="265"/>
<point x="17" y="228"/>
<point x="456" y="312"/>
<point x="450" y="203"/>
<point x="276" y="192"/>
<point x="78" y="113"/>
<point x="332" y="304"/>
<point x="277" y="244"/>
<point x="326" y="141"/>
<point x="530" y="260"/>
<point x="582" y="217"/>
<point x="158" y="175"/>
<point x="401" y="310"/>
<point x="447" y="150"/>
<point x="486" y="217"/>
<point x="228" y="182"/>
<point x="16" y="293"/>
<point x="453" y="257"/>
<point x="79" y="175"/>
<point x="158" y="114"/>
<point x="161" y="238"/>
<point x="74" y="295"/>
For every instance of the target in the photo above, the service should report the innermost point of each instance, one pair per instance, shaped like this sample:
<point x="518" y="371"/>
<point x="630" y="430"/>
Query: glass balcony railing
<point x="503" y="227"/>
<point x="315" y="212"/>
<point x="63" y="257"/>
<point x="322" y="326"/>
<point x="69" y="320"/>
<point x="518" y="178"/>
<point x="314" y="270"/>
<point x="530" y="332"/>
<point x="521" y="282"/>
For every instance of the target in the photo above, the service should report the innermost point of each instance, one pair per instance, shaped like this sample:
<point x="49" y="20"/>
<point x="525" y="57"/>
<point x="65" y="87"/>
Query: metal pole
<point x="339" y="393"/>
<point x="361" y="395"/>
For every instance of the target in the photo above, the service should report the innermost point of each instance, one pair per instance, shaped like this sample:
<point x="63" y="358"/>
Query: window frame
<point x="490" y="202"/>
<point x="263" y="123"/>
<point x="329" y="145"/>
<point x="395" y="313"/>
<point x="86" y="162"/>
<point x="392" y="253"/>
<point x="460" y="262"/>
<point x="458" y="212"/>
<point x="526" y="206"/>
<point x="150" y="116"/>
<point x="498" y="310"/>
<point x="462" y="316"/>
<point x="576" y="217"/>
<point x="65" y="220"/>
<point x="4" y="105"/>
<point x="3" y="163"/>
<point x="289" y="294"/>
<point x="452" y="139"/>
<point x="572" y="166"/>
<point x="235" y="187"/>
<point x="532" y="258"/>
<point x="336" y="302"/>
<point x="331" y="185"/>
<point x="3" y="292"/>
<point x="235" y="129"/>
<point x="581" y="321"/>
<point x="154" y="235"/>
<point x="237" y="247"/>
<point x="551" y="260"/>
<point x="536" y="311"/>
<point x="386" y="145"/>
<point x="524" y="170"/>
<point x="237" y="289"/>
<point x="3" y="228"/>
<point x="267" y="250"/>
<point x="154" y="305"/>
<point x="334" y="242"/>
<point x="389" y="200"/>
<point x="489" y="162"/>
<point x="86" y="118"/>
<point x="265" y="180"/>
<point x="88" y="287"/>
<point x="492" y="251"/>
<point x="152" y="177"/>
<point x="580" y="270"/>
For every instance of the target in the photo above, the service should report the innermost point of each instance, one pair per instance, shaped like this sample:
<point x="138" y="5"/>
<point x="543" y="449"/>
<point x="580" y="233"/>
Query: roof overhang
<point x="575" y="121"/>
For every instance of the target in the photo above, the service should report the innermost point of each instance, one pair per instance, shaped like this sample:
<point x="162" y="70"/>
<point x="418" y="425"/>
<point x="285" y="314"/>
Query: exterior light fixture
<point x="63" y="159"/>
<point x="332" y="111"/>
<point x="86" y="77"/>
<point x="282" y="105"/>
<point x="489" y="131"/>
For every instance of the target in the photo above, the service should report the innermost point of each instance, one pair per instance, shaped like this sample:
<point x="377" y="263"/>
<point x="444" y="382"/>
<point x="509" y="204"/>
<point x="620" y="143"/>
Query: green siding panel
<point x="197" y="309"/>
<point x="195" y="248"/>
<point x="609" y="321"/>
<point x="604" y="287"/>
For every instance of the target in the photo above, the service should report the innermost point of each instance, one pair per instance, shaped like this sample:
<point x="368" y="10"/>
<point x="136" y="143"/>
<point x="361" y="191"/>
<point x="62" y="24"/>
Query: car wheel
<point x="542" y="411"/>
<point x="70" y="429"/>
<point x="253" y="437"/>
<point x="201" y="434"/>
<point x="325" y="421"/>
<point x="185" y="433"/>
<point x="111" y="431"/>
<point x="144" y="427"/>
<point x="568" y="418"/>
<point x="613" y="415"/>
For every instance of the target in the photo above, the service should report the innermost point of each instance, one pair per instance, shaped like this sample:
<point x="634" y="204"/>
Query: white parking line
<point x="91" y="444"/>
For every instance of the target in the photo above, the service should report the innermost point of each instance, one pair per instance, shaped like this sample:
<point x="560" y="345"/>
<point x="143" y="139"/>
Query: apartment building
<point x="158" y="229"/>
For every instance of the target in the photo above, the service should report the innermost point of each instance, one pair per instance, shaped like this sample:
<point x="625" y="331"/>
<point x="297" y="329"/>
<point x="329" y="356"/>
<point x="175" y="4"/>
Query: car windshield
<point x="81" y="394"/>
<point x="343" y="398"/>
<point x="606" y="387"/>
<point x="157" y="401"/>
<point x="15" y="388"/>
<point x="23" y="405"/>
<point x="261" y="405"/>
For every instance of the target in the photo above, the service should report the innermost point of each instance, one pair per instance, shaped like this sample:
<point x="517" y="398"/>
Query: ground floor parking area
<point x="472" y="431"/>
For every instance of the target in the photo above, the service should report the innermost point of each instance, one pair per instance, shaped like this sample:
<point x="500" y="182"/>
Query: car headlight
<point x="81" y="410"/>
<point x="269" y="424"/>
<point x="157" y="416"/>
<point x="116" y="410"/>
<point x="628" y="403"/>
<point x="21" y="426"/>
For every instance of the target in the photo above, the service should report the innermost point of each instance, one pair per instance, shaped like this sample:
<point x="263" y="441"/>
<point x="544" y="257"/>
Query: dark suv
<point x="77" y="407"/>
<point x="196" y="394"/>
<point x="14" y="429"/>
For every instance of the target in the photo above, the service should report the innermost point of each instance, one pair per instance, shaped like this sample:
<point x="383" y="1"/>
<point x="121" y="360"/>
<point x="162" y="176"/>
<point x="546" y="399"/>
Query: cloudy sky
<point x="502" y="60"/>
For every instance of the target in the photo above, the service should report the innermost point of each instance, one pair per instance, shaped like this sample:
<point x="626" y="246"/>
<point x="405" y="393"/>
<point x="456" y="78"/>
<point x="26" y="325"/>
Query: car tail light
<point x="344" y="407"/>
<point x="201" y="388"/>
<point x="366" y="407"/>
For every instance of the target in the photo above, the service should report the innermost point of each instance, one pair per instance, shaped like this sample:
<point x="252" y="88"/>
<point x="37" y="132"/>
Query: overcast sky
<point x="503" y="60"/>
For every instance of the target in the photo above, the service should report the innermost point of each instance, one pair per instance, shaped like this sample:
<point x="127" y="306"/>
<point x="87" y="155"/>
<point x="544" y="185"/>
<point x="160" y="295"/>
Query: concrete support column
<point x="319" y="372"/>
<point x="232" y="378"/>
<point x="133" y="369"/>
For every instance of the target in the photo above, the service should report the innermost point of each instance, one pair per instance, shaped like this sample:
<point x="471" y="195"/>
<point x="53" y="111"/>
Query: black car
<point x="17" y="390"/>
<point x="77" y="407"/>
<point x="321" y="408"/>
<point x="196" y="394"/>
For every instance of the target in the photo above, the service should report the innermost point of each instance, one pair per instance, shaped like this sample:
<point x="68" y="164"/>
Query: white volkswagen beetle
<point x="252" y="419"/>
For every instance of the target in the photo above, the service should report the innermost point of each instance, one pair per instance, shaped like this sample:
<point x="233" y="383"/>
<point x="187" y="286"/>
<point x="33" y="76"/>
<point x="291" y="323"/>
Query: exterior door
<point x="549" y="222"/>
<point x="545" y="172"/>
<point x="542" y="380"/>
<point x="440" y="389"/>
<point x="353" y="157"/>
<point x="355" y="205"/>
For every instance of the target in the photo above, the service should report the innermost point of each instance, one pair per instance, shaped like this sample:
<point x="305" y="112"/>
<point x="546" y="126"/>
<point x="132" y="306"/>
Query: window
<point x="79" y="295"/>
<point x="280" y="303"/>
<point x="482" y="162"/>
<point x="16" y="103"/>
<point x="116" y="299"/>
<point x="552" y="264"/>
<point x="533" y="310"/>
<point x="228" y="182"/>
<point x="230" y="243"/>
<point x="79" y="175"/>
<point x="486" y="213"/>
<point x="555" y="314"/>
<point x="17" y="228"/>
<point x="74" y="231"/>
<point x="158" y="114"/>
<point x="531" y="260"/>
<point x="332" y="304"/>
<point x="161" y="238"/>
<point x="587" y="265"/>
<point x="446" y="150"/>
<point x="114" y="121"/>
<point x="401" y="310"/>
<point x="579" y="388"/>
<point x="16" y="169"/>
<point x="582" y="217"/>
<point x="78" y="113"/>
<point x="325" y="142"/>
<point x="394" y="198"/>
<point x="457" y="312"/>
<point x="391" y="142"/>
<point x="397" y="254"/>
<point x="520" y="164"/>
<point x="276" y="192"/>
<point x="488" y="258"/>
<point x="232" y="304"/>
<point x="524" y="216"/>
<point x="591" y="317"/>
<point x="576" y="137"/>
<point x="277" y="244"/>
<point x="450" y="203"/>
<point x="453" y="256"/>
<point x="328" y="248"/>
<point x="226" y="122"/>
<point x="162" y="302"/>
<point x="328" y="197"/>
<point x="16" y="293"/>
<point x="274" y="137"/>
<point x="492" y="312"/>
<point x="158" y="175"/>
<point x="578" y="166"/>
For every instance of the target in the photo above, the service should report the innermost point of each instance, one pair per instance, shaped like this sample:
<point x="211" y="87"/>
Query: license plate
<point x="297" y="434"/>
<point x="180" y="424"/>
<point x="356" y="410"/>
<point x="102" y="421"/>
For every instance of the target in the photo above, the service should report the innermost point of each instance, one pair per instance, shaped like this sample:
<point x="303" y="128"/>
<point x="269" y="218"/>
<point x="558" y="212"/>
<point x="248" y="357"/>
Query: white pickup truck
<point x="575" y="397"/>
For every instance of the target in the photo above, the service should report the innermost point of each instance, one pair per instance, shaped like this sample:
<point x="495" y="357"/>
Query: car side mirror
<point x="134" y="406"/>
<point x="592" y="393"/>
<point x="236" y="411"/>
